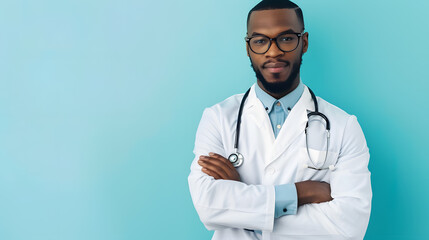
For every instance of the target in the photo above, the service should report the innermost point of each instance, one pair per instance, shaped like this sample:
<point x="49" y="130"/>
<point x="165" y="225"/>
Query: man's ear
<point x="247" y="49"/>
<point x="305" y="42"/>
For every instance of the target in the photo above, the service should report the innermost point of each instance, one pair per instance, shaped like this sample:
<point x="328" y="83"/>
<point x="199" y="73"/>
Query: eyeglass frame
<point x="299" y="35"/>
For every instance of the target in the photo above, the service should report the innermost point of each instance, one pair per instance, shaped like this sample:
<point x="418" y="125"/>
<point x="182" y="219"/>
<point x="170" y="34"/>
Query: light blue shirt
<point x="278" y="109"/>
<point x="286" y="199"/>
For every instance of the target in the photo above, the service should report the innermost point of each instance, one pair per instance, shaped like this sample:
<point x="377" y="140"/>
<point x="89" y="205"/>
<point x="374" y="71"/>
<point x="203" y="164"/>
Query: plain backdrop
<point x="100" y="102"/>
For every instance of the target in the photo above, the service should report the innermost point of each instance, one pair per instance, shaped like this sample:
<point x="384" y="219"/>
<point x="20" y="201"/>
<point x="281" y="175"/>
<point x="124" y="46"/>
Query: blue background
<point x="100" y="101"/>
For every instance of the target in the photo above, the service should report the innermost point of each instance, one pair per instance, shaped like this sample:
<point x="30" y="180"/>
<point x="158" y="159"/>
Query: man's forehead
<point x="273" y="20"/>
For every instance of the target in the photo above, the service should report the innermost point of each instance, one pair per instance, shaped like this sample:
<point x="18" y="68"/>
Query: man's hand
<point x="218" y="167"/>
<point x="313" y="192"/>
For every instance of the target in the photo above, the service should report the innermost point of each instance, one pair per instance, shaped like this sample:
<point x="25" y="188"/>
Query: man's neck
<point x="281" y="94"/>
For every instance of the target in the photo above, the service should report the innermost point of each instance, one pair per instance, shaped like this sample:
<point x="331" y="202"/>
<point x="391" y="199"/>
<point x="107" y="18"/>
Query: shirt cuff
<point x="286" y="200"/>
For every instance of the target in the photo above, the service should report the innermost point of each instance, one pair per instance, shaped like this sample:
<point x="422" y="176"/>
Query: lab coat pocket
<point x="316" y="164"/>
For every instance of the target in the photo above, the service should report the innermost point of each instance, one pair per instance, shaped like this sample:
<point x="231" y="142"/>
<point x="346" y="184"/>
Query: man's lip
<point x="275" y="65"/>
<point x="275" y="70"/>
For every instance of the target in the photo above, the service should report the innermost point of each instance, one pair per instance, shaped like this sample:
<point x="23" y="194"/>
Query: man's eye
<point x="286" y="39"/>
<point x="259" y="41"/>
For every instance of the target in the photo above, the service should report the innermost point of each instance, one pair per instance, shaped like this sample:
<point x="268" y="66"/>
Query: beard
<point x="282" y="86"/>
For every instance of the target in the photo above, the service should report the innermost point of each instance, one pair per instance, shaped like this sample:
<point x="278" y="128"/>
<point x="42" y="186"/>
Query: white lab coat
<point x="230" y="207"/>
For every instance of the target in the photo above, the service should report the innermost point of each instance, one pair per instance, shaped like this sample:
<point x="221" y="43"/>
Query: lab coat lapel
<point x="293" y="126"/>
<point x="254" y="109"/>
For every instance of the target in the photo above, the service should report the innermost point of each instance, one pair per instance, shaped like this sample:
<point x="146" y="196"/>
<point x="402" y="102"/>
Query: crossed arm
<point x="223" y="201"/>
<point x="308" y="191"/>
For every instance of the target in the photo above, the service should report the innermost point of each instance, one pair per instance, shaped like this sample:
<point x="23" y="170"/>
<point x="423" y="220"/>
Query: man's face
<point x="277" y="71"/>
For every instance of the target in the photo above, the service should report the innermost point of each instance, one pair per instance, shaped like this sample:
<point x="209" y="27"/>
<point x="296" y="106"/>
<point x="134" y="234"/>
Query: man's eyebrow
<point x="287" y="31"/>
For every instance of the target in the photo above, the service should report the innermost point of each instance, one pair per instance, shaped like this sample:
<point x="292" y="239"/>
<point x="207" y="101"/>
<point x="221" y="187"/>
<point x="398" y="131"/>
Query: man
<point x="304" y="175"/>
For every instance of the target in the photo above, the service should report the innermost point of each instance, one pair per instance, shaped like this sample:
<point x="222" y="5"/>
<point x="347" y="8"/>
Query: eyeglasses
<point x="286" y="42"/>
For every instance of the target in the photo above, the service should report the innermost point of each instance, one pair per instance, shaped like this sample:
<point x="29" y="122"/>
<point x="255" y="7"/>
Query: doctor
<point x="299" y="166"/>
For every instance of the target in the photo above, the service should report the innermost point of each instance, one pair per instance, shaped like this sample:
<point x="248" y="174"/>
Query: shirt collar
<point x="288" y="101"/>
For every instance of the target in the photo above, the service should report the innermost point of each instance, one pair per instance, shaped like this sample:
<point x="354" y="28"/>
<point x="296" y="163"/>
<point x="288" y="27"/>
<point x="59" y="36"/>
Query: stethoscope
<point x="237" y="158"/>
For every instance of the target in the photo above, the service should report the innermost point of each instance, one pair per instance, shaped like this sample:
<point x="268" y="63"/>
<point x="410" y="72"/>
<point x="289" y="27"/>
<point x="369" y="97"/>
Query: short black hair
<point x="277" y="4"/>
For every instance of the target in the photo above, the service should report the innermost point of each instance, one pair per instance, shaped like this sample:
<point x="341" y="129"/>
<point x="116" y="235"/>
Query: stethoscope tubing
<point x="240" y="111"/>
<point x="236" y="155"/>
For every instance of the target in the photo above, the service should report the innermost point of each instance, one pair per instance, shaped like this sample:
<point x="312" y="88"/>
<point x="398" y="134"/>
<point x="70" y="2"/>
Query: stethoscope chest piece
<point x="236" y="159"/>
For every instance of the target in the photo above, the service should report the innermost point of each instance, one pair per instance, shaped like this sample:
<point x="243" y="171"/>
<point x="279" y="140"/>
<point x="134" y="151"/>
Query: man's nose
<point x="274" y="50"/>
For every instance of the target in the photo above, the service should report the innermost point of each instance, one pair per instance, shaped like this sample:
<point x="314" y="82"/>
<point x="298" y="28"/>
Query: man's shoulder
<point x="333" y="109"/>
<point x="230" y="104"/>
<point x="224" y="112"/>
<point x="333" y="112"/>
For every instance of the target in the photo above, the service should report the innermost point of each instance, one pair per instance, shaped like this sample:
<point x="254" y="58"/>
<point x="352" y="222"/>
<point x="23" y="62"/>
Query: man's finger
<point x="219" y="162"/>
<point x="210" y="173"/>
<point x="221" y="158"/>
<point x="214" y="168"/>
<point x="230" y="170"/>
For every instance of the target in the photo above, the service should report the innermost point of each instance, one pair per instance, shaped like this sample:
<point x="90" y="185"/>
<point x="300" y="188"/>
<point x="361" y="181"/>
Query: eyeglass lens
<point x="286" y="43"/>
